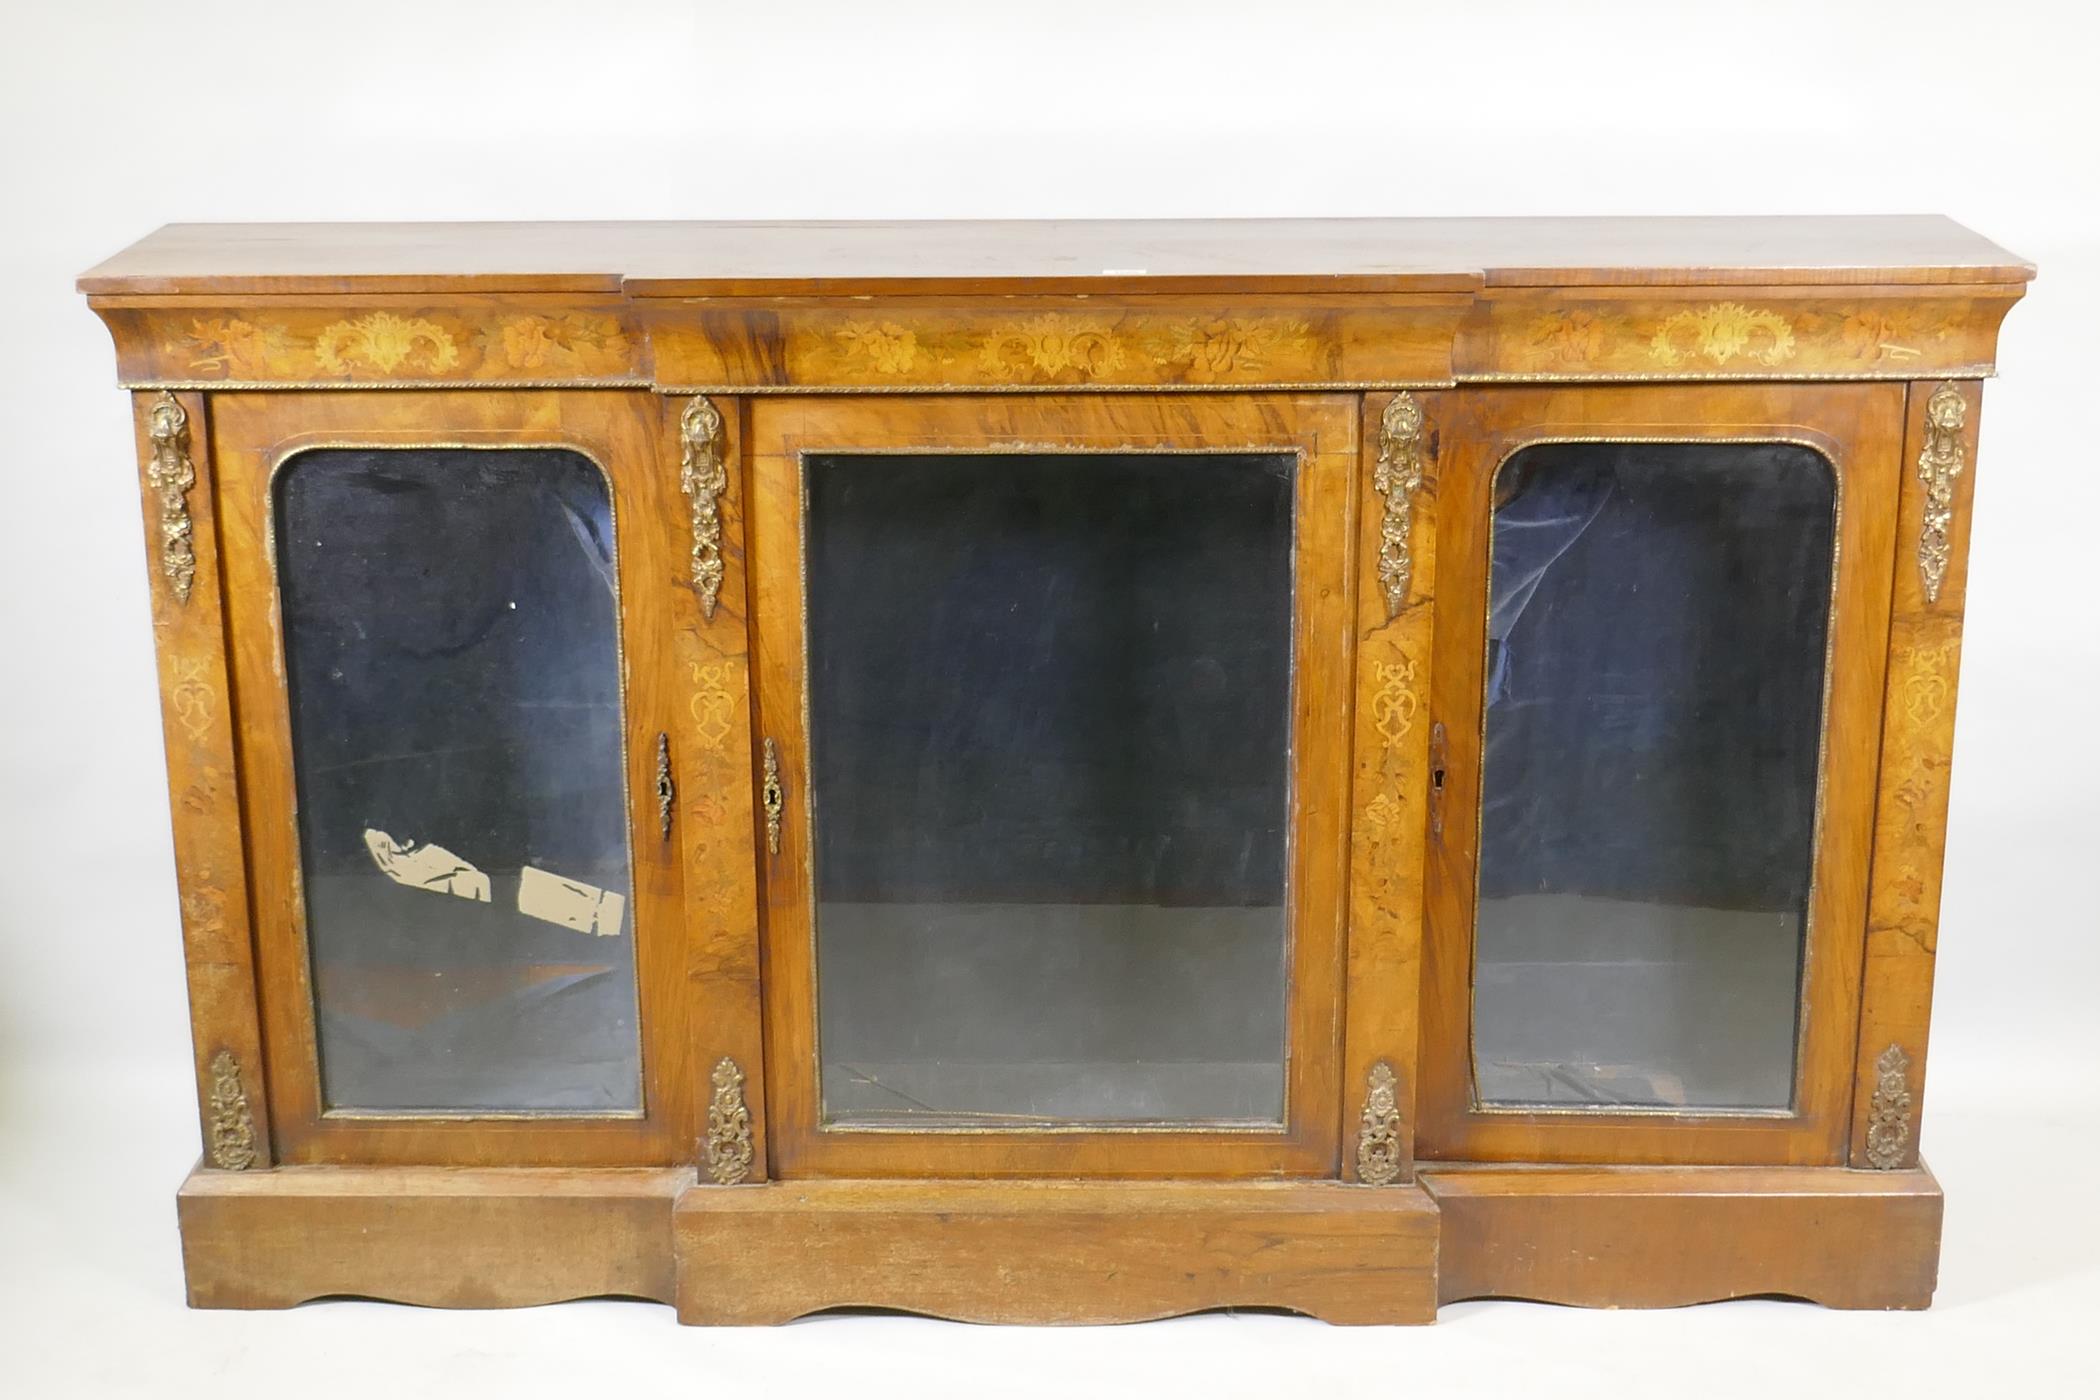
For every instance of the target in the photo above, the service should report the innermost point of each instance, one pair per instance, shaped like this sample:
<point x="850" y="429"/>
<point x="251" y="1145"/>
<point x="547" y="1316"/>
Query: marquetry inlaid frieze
<point x="319" y="345"/>
<point x="1007" y="344"/>
<point x="1167" y="343"/>
<point x="1754" y="334"/>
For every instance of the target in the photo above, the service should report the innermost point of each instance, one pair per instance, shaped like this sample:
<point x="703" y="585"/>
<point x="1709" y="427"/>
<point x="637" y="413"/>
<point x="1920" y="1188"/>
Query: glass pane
<point x="1656" y="625"/>
<point x="452" y="634"/>
<point x="1050" y="729"/>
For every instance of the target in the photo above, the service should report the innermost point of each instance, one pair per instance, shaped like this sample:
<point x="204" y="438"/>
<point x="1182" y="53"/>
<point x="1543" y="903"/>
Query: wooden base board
<point x="1658" y="1237"/>
<point x="443" y="1237"/>
<point x="1055" y="1252"/>
<point x="1050" y="1252"/>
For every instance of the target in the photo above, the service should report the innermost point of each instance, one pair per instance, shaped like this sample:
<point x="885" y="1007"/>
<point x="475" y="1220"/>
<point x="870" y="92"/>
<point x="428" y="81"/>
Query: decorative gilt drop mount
<point x="1397" y="478"/>
<point x="231" y="1141"/>
<point x="729" y="1152"/>
<point x="703" y="478"/>
<point x="1888" y="1113"/>
<point x="1946" y="414"/>
<point x="171" y="474"/>
<point x="1378" y="1136"/>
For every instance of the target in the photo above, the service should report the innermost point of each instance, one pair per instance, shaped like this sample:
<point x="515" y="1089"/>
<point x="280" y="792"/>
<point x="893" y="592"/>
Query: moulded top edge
<point x="1051" y="256"/>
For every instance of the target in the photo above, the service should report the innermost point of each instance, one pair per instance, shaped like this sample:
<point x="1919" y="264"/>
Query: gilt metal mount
<point x="171" y="474"/>
<point x="1939" y="465"/>
<point x="1378" y="1136"/>
<point x="729" y="1152"/>
<point x="1397" y="478"/>
<point x="703" y="478"/>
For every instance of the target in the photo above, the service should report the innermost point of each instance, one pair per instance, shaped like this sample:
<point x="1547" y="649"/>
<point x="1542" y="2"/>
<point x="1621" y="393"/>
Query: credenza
<point x="1059" y="772"/>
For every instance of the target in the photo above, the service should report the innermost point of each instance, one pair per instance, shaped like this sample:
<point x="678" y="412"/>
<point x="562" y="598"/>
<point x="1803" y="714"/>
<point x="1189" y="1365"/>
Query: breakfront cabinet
<point x="1059" y="772"/>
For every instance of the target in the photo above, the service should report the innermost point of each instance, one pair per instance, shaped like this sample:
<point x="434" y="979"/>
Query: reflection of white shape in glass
<point x="570" y="903"/>
<point x="426" y="867"/>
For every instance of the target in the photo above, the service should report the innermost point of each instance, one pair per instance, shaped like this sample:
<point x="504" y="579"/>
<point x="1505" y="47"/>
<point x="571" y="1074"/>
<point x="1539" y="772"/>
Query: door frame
<point x="1321" y="430"/>
<point x="253" y="435"/>
<point x="1858" y="428"/>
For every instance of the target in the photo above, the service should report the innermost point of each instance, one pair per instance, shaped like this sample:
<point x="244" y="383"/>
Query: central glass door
<point x="1037" y="832"/>
<point x="1049" y="739"/>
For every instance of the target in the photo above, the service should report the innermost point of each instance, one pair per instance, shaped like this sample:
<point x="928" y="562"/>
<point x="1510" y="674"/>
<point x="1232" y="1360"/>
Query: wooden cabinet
<point x="1064" y="772"/>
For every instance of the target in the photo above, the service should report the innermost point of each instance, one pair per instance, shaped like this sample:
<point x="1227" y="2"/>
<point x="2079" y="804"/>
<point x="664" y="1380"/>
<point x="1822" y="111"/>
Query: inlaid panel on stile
<point x="1064" y="771"/>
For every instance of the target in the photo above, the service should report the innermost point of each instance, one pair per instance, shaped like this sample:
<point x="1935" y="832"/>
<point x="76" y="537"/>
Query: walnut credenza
<point x="1059" y="772"/>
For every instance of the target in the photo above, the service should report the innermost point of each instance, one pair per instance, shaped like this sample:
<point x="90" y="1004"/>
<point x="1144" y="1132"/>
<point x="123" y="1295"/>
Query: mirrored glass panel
<point x="1050" y="728"/>
<point x="1657" y="624"/>
<point x="451" y="634"/>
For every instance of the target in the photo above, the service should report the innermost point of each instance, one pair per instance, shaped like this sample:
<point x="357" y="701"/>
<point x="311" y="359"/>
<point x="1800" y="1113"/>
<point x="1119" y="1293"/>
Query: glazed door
<point x="1052" y="741"/>
<point x="449" y="625"/>
<point x="1662" y="626"/>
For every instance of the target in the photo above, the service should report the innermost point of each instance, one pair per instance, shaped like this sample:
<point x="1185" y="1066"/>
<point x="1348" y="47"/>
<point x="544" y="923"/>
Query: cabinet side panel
<point x="1389" y="806"/>
<point x="1910" y="817"/>
<point x="182" y="546"/>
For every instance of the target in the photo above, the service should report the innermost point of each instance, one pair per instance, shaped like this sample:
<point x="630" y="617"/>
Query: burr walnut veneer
<point x="1059" y="772"/>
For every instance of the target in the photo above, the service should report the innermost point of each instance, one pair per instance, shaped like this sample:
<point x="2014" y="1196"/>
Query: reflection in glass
<point x="1049" y="727"/>
<point x="1656" y="635"/>
<point x="451" y="633"/>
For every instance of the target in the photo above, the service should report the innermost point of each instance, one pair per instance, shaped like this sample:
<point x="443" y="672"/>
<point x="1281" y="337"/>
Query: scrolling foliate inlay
<point x="1397" y="478"/>
<point x="299" y="345"/>
<point x="1521" y="337"/>
<point x="171" y="475"/>
<point x="1719" y="333"/>
<point x="1378" y="1135"/>
<point x="1939" y="465"/>
<point x="729" y="1152"/>
<point x="384" y="343"/>
<point x="1056" y="347"/>
<point x="232" y="1126"/>
<point x="1888" y="1115"/>
<point x="703" y="478"/>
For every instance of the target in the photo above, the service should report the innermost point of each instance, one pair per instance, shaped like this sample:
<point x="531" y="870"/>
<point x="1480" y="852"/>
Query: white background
<point x="117" y="117"/>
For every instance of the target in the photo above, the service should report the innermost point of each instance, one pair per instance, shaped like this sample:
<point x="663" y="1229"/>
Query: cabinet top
<point x="995" y="257"/>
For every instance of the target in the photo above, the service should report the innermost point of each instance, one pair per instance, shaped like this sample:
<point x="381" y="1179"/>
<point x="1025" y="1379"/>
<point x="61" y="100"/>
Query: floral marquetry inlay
<point x="1822" y="338"/>
<point x="1722" y="332"/>
<point x="387" y="344"/>
<point x="1056" y="347"/>
<point x="311" y="346"/>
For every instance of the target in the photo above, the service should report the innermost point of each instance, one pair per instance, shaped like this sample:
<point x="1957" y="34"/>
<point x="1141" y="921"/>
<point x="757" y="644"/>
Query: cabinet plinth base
<point x="1061" y="1251"/>
<point x="1055" y="1252"/>
<point x="442" y="1237"/>
<point x="1658" y="1237"/>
